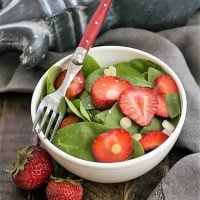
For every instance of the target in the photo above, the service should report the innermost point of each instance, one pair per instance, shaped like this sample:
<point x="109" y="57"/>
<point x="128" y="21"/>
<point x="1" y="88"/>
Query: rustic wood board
<point x="15" y="132"/>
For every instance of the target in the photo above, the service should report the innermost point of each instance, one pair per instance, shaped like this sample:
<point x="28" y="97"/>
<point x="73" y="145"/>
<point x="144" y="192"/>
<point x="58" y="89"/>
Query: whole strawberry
<point x="32" y="168"/>
<point x="64" y="189"/>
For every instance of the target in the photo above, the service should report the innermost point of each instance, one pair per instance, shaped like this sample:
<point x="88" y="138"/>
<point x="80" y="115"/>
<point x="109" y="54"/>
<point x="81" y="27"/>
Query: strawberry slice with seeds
<point x="164" y="84"/>
<point x="152" y="139"/>
<point x="76" y="86"/>
<point x="72" y="119"/>
<point x="114" y="145"/>
<point x="139" y="104"/>
<point x="106" y="91"/>
<point x="162" y="106"/>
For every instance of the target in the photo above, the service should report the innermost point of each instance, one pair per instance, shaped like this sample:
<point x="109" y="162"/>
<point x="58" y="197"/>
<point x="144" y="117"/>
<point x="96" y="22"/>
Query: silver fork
<point x="53" y="106"/>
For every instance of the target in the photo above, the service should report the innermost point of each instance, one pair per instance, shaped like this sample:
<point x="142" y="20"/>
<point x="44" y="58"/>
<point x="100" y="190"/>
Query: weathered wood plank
<point x="15" y="132"/>
<point x="1" y="106"/>
<point x="99" y="191"/>
<point x="16" y="112"/>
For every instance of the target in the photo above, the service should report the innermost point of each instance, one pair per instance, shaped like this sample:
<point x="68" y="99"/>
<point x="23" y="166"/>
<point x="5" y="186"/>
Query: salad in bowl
<point x="117" y="111"/>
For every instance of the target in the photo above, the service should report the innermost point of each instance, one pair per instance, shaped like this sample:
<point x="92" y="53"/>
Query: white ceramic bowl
<point x="121" y="171"/>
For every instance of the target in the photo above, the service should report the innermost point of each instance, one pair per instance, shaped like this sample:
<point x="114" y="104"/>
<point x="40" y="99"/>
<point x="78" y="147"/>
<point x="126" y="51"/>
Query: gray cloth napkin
<point x="182" y="181"/>
<point x="180" y="49"/>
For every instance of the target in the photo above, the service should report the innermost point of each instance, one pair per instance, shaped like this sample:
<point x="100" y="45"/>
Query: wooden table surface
<point x="15" y="132"/>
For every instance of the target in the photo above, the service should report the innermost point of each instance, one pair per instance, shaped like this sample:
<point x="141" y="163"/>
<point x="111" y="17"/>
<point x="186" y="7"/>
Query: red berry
<point x="64" y="190"/>
<point x="139" y="104"/>
<point x="76" y="86"/>
<point x="152" y="139"/>
<point x="164" y="84"/>
<point x="162" y="106"/>
<point x="33" y="167"/>
<point x="113" y="146"/>
<point x="106" y="91"/>
<point x="72" y="119"/>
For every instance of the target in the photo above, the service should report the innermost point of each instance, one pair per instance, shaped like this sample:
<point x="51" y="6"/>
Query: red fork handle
<point x="94" y="25"/>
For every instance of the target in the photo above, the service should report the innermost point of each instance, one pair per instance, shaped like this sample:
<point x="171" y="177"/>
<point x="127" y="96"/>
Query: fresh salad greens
<point x="77" y="139"/>
<point x="113" y="117"/>
<point x="153" y="74"/>
<point x="90" y="79"/>
<point x="173" y="105"/>
<point x="90" y="65"/>
<point x="137" y="150"/>
<point x="51" y="77"/>
<point x="156" y="124"/>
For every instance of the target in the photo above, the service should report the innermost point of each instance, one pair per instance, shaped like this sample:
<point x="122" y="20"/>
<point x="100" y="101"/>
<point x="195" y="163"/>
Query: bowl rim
<point x="127" y="163"/>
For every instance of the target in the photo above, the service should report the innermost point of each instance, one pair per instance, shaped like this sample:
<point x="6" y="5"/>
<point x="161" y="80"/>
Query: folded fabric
<point x="16" y="78"/>
<point x="182" y="181"/>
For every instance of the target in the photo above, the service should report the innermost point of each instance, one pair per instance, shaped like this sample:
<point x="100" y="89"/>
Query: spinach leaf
<point x="123" y="68"/>
<point x="155" y="124"/>
<point x="69" y="111"/>
<point x="145" y="75"/>
<point x="175" y="120"/>
<point x="113" y="118"/>
<point x="94" y="112"/>
<point x="173" y="105"/>
<point x="86" y="100"/>
<point x="102" y="115"/>
<point x="84" y="112"/>
<point x="91" y="78"/>
<point x="137" y="149"/>
<point x="43" y="91"/>
<point x="74" y="108"/>
<point x="89" y="65"/>
<point x="153" y="74"/>
<point x="87" y="103"/>
<point x="123" y="64"/>
<point x="97" y="120"/>
<point x="76" y="139"/>
<point x="131" y="75"/>
<point x="84" y="94"/>
<point x="142" y="65"/>
<point x="77" y="108"/>
<point x="51" y="77"/>
<point x="76" y="103"/>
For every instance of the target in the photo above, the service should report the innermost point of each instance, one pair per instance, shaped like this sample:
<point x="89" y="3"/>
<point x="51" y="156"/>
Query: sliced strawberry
<point x="152" y="139"/>
<point x="162" y="106"/>
<point x="113" y="146"/>
<point x="106" y="91"/>
<point x="76" y="86"/>
<point x="72" y="119"/>
<point x="139" y="104"/>
<point x="164" y="84"/>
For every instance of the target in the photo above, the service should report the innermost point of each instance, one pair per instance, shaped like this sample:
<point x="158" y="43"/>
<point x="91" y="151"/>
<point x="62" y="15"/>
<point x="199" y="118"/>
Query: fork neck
<point x="79" y="55"/>
<point x="74" y="67"/>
